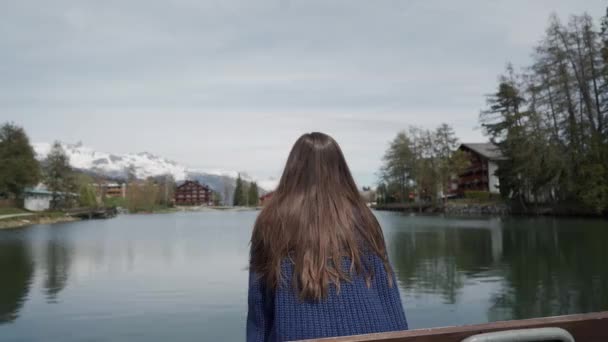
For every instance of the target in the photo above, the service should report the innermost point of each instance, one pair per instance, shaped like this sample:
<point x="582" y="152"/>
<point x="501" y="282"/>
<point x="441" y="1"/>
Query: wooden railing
<point x="583" y="327"/>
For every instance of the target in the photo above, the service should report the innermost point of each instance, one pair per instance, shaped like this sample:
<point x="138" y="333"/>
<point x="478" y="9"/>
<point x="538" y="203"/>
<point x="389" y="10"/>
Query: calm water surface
<point x="182" y="277"/>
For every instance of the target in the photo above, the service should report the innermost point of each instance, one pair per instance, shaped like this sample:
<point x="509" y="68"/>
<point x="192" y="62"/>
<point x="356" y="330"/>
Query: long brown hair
<point x="315" y="218"/>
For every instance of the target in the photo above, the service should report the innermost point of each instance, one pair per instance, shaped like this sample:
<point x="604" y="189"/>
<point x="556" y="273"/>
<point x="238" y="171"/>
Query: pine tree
<point x="18" y="165"/>
<point x="450" y="161"/>
<point x="423" y="161"/>
<point x="505" y="123"/>
<point x="398" y="164"/>
<point x="238" y="191"/>
<point x="253" y="195"/>
<point x="381" y="193"/>
<point x="245" y="194"/>
<point x="58" y="176"/>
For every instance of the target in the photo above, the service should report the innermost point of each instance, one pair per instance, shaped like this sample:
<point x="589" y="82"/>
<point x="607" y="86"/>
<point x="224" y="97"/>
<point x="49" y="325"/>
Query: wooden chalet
<point x="108" y="189"/>
<point x="193" y="193"/>
<point x="480" y="175"/>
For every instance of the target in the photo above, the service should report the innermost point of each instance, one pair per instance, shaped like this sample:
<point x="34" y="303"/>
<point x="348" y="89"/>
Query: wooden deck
<point x="583" y="327"/>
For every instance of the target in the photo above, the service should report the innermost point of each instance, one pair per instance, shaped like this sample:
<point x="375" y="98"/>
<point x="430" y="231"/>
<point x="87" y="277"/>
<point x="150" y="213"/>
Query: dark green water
<point x="181" y="277"/>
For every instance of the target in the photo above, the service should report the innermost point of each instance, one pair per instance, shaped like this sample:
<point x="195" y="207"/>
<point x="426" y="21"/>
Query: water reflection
<point x="58" y="255"/>
<point x="544" y="267"/>
<point x="439" y="261"/>
<point x="182" y="276"/>
<point x="17" y="270"/>
<point x="553" y="271"/>
<point x="20" y="256"/>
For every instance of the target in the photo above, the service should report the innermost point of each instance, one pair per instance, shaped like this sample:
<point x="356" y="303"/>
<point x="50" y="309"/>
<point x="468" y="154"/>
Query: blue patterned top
<point x="355" y="310"/>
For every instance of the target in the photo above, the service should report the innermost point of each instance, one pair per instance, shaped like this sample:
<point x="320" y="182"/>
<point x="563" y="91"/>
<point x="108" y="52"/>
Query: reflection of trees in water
<point x="58" y="260"/>
<point x="439" y="261"/>
<point x="17" y="269"/>
<point x="553" y="271"/>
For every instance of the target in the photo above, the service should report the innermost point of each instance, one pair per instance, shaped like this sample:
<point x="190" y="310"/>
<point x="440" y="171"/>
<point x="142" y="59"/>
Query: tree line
<point x="20" y="169"/>
<point x="550" y="119"/>
<point x="420" y="164"/>
<point x="18" y="165"/>
<point x="246" y="194"/>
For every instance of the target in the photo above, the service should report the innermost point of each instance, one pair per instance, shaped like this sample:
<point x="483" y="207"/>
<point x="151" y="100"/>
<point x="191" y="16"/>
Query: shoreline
<point x="194" y="210"/>
<point x="470" y="210"/>
<point x="34" y="219"/>
<point x="26" y="219"/>
<point x="495" y="209"/>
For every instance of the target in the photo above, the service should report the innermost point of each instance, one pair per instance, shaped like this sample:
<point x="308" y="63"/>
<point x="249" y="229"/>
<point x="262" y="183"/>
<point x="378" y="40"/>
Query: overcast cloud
<point x="231" y="84"/>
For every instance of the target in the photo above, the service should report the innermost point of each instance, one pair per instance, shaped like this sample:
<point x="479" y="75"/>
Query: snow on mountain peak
<point x="143" y="164"/>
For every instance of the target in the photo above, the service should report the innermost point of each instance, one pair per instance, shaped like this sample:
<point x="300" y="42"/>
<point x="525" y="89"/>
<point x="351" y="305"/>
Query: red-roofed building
<point x="193" y="193"/>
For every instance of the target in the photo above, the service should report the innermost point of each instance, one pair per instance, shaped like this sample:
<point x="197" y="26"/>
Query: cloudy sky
<point x="227" y="84"/>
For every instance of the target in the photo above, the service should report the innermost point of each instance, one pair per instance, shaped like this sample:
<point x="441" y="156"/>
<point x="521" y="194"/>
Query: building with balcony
<point x="481" y="173"/>
<point x="193" y="193"/>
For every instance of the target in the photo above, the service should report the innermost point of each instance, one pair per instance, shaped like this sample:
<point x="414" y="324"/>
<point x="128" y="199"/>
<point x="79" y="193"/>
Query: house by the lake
<point x="37" y="199"/>
<point x="111" y="189"/>
<point x="193" y="193"/>
<point x="483" y="164"/>
<point x="40" y="198"/>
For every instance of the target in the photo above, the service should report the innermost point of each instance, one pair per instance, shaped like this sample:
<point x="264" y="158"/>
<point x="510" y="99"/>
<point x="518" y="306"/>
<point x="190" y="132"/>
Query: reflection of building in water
<point x="17" y="270"/>
<point x="439" y="260"/>
<point x="550" y="271"/>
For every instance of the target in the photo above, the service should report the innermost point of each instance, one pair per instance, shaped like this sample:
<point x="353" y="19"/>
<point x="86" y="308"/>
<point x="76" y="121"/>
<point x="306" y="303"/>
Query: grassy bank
<point x="26" y="218"/>
<point x="11" y="211"/>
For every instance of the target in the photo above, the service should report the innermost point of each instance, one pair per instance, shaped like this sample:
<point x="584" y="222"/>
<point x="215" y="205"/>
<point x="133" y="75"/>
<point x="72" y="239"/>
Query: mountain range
<point x="144" y="165"/>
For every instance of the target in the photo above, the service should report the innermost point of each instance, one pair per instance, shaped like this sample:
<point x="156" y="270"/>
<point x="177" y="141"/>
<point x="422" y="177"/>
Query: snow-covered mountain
<point x="144" y="165"/>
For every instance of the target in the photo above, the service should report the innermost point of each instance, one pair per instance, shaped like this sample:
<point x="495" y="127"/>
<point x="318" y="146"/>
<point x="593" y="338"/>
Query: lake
<point x="182" y="277"/>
